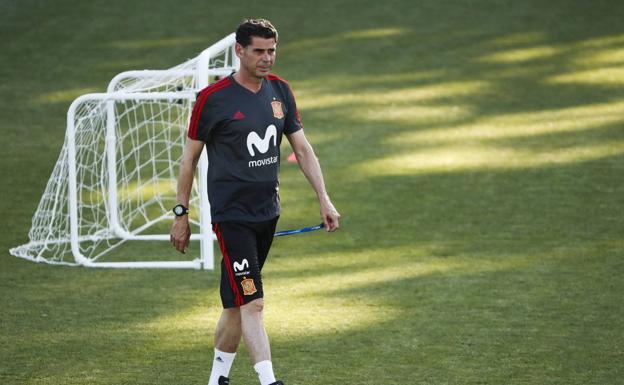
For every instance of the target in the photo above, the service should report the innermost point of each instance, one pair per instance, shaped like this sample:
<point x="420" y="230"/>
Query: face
<point x="257" y="58"/>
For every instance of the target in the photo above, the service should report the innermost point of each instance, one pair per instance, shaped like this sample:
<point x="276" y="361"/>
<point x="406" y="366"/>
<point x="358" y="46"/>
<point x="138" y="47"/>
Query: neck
<point x="252" y="83"/>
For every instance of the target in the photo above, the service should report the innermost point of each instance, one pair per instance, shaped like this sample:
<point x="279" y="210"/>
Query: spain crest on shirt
<point x="278" y="112"/>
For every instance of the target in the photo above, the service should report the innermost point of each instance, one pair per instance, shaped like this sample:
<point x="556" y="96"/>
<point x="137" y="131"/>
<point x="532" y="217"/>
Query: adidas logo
<point x="219" y="359"/>
<point x="238" y="116"/>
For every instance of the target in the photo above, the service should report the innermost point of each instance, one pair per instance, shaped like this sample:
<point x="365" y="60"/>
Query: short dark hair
<point x="254" y="27"/>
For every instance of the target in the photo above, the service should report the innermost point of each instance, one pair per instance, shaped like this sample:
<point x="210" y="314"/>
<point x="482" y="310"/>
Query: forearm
<point x="180" y="230"/>
<point x="185" y="179"/>
<point x="311" y="168"/>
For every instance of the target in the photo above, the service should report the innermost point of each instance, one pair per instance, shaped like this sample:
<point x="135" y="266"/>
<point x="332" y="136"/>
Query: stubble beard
<point x="260" y="74"/>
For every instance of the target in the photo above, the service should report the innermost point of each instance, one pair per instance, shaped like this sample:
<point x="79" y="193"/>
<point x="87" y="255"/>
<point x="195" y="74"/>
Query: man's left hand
<point x="330" y="215"/>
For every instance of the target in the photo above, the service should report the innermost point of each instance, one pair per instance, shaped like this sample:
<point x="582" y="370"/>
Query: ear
<point x="238" y="49"/>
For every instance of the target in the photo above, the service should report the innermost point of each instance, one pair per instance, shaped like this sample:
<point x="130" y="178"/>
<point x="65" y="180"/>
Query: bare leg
<point x="227" y="338"/>
<point x="255" y="335"/>
<point x="228" y="332"/>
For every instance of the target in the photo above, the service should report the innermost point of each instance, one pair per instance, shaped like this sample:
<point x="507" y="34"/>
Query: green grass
<point x="475" y="150"/>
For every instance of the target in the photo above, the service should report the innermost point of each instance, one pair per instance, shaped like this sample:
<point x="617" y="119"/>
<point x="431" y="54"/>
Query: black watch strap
<point x="179" y="210"/>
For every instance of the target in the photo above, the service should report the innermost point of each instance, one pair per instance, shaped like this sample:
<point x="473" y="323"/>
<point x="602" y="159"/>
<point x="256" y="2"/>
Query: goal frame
<point x="201" y="75"/>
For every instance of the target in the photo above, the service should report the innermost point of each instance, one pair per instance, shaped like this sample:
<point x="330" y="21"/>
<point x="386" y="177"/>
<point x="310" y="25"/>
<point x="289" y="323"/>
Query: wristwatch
<point x="180" y="210"/>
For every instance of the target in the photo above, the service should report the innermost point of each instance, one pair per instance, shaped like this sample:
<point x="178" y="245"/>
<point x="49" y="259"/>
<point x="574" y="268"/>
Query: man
<point x="240" y="119"/>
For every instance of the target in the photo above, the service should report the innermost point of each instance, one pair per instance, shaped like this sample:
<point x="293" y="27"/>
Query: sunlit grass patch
<point x="405" y="97"/>
<point x="318" y="317"/>
<point x="391" y="81"/>
<point x="506" y="141"/>
<point x="191" y="319"/>
<point x="66" y="96"/>
<point x="145" y="191"/>
<point x="327" y="42"/>
<point x="454" y="158"/>
<point x="356" y="276"/>
<point x="313" y="288"/>
<point x="611" y="56"/>
<point x="520" y="55"/>
<point x="519" y="125"/>
<point x="375" y="33"/>
<point x="604" y="76"/>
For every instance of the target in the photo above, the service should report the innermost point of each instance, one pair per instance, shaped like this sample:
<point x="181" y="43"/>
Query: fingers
<point x="331" y="221"/>
<point x="179" y="238"/>
<point x="180" y="245"/>
<point x="177" y="244"/>
<point x="335" y="224"/>
<point x="331" y="217"/>
<point x="329" y="225"/>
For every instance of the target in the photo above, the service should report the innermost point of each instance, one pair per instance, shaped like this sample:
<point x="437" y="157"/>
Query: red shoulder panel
<point x="201" y="101"/>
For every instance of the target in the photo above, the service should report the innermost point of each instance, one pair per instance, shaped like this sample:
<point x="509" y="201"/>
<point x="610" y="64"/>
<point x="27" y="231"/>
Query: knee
<point x="231" y="317"/>
<point x="255" y="306"/>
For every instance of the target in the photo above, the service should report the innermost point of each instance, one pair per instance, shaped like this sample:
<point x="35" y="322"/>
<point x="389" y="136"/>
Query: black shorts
<point x="244" y="246"/>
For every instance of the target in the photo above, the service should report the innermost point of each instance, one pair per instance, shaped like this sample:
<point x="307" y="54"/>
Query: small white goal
<point x="115" y="179"/>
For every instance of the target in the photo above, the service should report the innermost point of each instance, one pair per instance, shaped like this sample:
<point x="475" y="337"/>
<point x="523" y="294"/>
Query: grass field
<point x="475" y="150"/>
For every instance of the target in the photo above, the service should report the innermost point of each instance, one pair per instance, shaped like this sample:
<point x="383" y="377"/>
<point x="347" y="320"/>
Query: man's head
<point x="254" y="27"/>
<point x="256" y="42"/>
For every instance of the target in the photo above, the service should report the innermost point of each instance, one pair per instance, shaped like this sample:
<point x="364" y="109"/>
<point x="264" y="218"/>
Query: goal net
<point x="115" y="179"/>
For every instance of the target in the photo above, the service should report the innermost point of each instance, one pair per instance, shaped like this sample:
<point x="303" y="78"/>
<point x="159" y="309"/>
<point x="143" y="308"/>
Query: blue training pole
<point x="299" y="231"/>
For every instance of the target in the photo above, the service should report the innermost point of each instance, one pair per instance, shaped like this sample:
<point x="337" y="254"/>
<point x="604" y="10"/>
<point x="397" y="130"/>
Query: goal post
<point x="115" y="178"/>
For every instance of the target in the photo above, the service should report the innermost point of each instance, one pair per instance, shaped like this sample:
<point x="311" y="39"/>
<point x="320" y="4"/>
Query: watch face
<point x="178" y="210"/>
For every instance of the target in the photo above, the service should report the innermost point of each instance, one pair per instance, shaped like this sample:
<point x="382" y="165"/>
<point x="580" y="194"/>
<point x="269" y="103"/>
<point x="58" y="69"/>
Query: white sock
<point x="265" y="372"/>
<point x="221" y="365"/>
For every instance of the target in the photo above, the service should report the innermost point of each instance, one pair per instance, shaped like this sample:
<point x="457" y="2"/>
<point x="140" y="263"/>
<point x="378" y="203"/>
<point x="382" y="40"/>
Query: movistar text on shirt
<point x="263" y="162"/>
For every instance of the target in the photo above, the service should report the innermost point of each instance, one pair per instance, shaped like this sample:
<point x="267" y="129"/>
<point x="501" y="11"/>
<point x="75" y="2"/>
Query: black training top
<point x="243" y="131"/>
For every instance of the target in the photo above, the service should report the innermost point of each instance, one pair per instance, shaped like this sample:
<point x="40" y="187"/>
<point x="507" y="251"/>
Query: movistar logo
<point x="241" y="266"/>
<point x="261" y="144"/>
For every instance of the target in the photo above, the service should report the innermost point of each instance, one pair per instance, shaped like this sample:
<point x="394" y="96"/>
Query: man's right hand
<point x="180" y="233"/>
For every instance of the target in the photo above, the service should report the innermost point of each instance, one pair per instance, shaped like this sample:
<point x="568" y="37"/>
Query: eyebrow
<point x="264" y="49"/>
